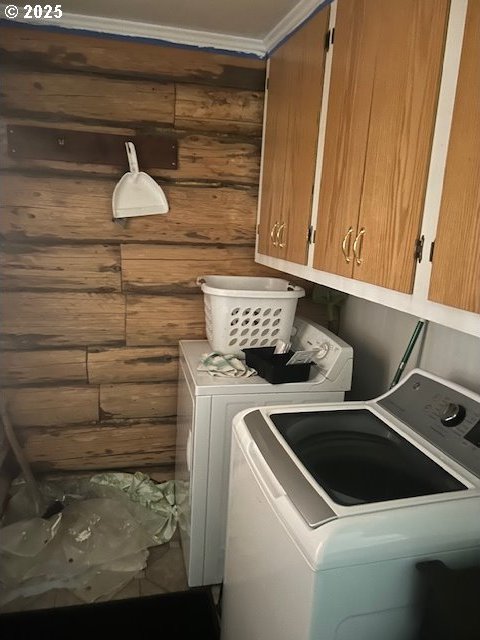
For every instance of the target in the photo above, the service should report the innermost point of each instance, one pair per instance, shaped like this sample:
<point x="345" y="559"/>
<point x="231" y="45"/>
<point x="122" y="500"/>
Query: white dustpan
<point x="137" y="194"/>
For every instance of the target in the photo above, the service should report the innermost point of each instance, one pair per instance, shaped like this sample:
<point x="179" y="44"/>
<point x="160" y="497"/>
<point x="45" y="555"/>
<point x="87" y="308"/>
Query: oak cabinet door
<point x="273" y="163"/>
<point x="455" y="279"/>
<point x="346" y="134"/>
<point x="386" y="69"/>
<point x="295" y="89"/>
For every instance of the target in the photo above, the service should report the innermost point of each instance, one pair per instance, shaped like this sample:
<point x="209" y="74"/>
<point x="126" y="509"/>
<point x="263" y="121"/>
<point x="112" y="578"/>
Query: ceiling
<point x="246" y="26"/>
<point x="245" y="18"/>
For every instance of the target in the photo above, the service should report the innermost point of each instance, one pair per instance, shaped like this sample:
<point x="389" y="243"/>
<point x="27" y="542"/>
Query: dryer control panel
<point x="445" y="417"/>
<point x="333" y="353"/>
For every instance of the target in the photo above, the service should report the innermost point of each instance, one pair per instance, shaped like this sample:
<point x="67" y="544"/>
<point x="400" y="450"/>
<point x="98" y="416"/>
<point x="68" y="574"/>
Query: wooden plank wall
<point x="92" y="311"/>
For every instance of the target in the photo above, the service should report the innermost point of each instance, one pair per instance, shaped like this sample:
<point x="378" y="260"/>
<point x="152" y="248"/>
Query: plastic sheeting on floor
<point x="94" y="546"/>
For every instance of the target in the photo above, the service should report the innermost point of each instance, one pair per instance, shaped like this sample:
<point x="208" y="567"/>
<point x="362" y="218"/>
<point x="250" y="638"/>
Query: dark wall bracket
<point x="87" y="147"/>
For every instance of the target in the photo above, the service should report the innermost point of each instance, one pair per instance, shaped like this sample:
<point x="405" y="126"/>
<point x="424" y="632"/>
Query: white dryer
<point x="331" y="507"/>
<point x="206" y="407"/>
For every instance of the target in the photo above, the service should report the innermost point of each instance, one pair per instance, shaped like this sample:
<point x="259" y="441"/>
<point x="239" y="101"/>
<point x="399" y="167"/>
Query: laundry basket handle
<point x="293" y="287"/>
<point x="290" y="287"/>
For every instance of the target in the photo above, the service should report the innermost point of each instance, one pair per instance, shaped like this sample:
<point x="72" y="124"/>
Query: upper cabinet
<point x="456" y="255"/>
<point x="372" y="185"/>
<point x="294" y="98"/>
<point x="382" y="102"/>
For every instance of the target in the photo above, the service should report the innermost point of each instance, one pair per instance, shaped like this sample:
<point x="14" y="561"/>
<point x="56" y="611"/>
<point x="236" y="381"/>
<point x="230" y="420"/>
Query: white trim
<point x="322" y="126"/>
<point x="262" y="156"/>
<point x="291" y="21"/>
<point x="132" y="29"/>
<point x="465" y="321"/>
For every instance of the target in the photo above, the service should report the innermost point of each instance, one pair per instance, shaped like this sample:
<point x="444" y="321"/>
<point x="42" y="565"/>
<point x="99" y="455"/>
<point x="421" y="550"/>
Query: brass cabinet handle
<point x="357" y="246"/>
<point x="346" y="244"/>
<point x="281" y="236"/>
<point x="274" y="237"/>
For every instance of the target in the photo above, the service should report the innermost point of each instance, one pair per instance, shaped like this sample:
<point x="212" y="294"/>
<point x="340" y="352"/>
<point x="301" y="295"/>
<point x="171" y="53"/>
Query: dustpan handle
<point x="132" y="157"/>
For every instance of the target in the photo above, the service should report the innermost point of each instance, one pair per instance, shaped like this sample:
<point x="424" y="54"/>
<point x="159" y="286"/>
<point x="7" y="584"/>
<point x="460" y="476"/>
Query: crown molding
<point x="177" y="36"/>
<point x="143" y="30"/>
<point x="291" y="22"/>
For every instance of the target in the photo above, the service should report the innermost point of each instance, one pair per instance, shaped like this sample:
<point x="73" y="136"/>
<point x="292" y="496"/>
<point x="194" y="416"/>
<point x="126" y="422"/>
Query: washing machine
<point x="206" y="407"/>
<point x="331" y="507"/>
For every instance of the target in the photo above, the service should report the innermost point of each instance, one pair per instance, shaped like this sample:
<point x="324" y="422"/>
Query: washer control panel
<point x="453" y="414"/>
<point x="445" y="417"/>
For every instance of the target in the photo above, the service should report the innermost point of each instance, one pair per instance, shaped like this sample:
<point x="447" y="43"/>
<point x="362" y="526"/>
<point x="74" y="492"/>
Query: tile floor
<point x="164" y="573"/>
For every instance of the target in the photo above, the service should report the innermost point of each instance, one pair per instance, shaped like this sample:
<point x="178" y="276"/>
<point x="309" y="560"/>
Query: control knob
<point x="453" y="414"/>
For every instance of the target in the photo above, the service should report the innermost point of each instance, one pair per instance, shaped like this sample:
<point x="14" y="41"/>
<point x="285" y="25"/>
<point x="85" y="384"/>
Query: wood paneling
<point x="64" y="317"/>
<point x="153" y="268"/>
<point x="108" y="56"/>
<point x="160" y="473"/>
<point x="132" y="400"/>
<point x="53" y="96"/>
<point x="80" y="268"/>
<point x="62" y="209"/>
<point x="225" y="159"/>
<point x="36" y="407"/>
<point x="164" y="319"/>
<point x="43" y="367"/>
<point x="48" y="319"/>
<point x="202" y="156"/>
<point x="456" y="259"/>
<point x="132" y="364"/>
<point x="125" y="444"/>
<point x="218" y="109"/>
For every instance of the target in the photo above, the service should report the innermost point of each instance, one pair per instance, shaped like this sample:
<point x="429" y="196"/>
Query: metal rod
<point x="32" y="486"/>
<point x="408" y="352"/>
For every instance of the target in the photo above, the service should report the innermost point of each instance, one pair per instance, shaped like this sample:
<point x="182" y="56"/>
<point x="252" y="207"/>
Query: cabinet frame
<point x="417" y="303"/>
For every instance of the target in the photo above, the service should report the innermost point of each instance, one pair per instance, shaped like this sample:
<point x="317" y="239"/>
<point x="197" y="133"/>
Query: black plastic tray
<point x="273" y="366"/>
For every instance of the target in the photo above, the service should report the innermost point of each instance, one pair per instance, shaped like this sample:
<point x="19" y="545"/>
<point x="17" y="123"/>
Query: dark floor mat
<point x="184" y="615"/>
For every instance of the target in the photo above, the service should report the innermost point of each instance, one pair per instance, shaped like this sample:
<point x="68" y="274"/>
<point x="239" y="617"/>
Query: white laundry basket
<point x="243" y="312"/>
